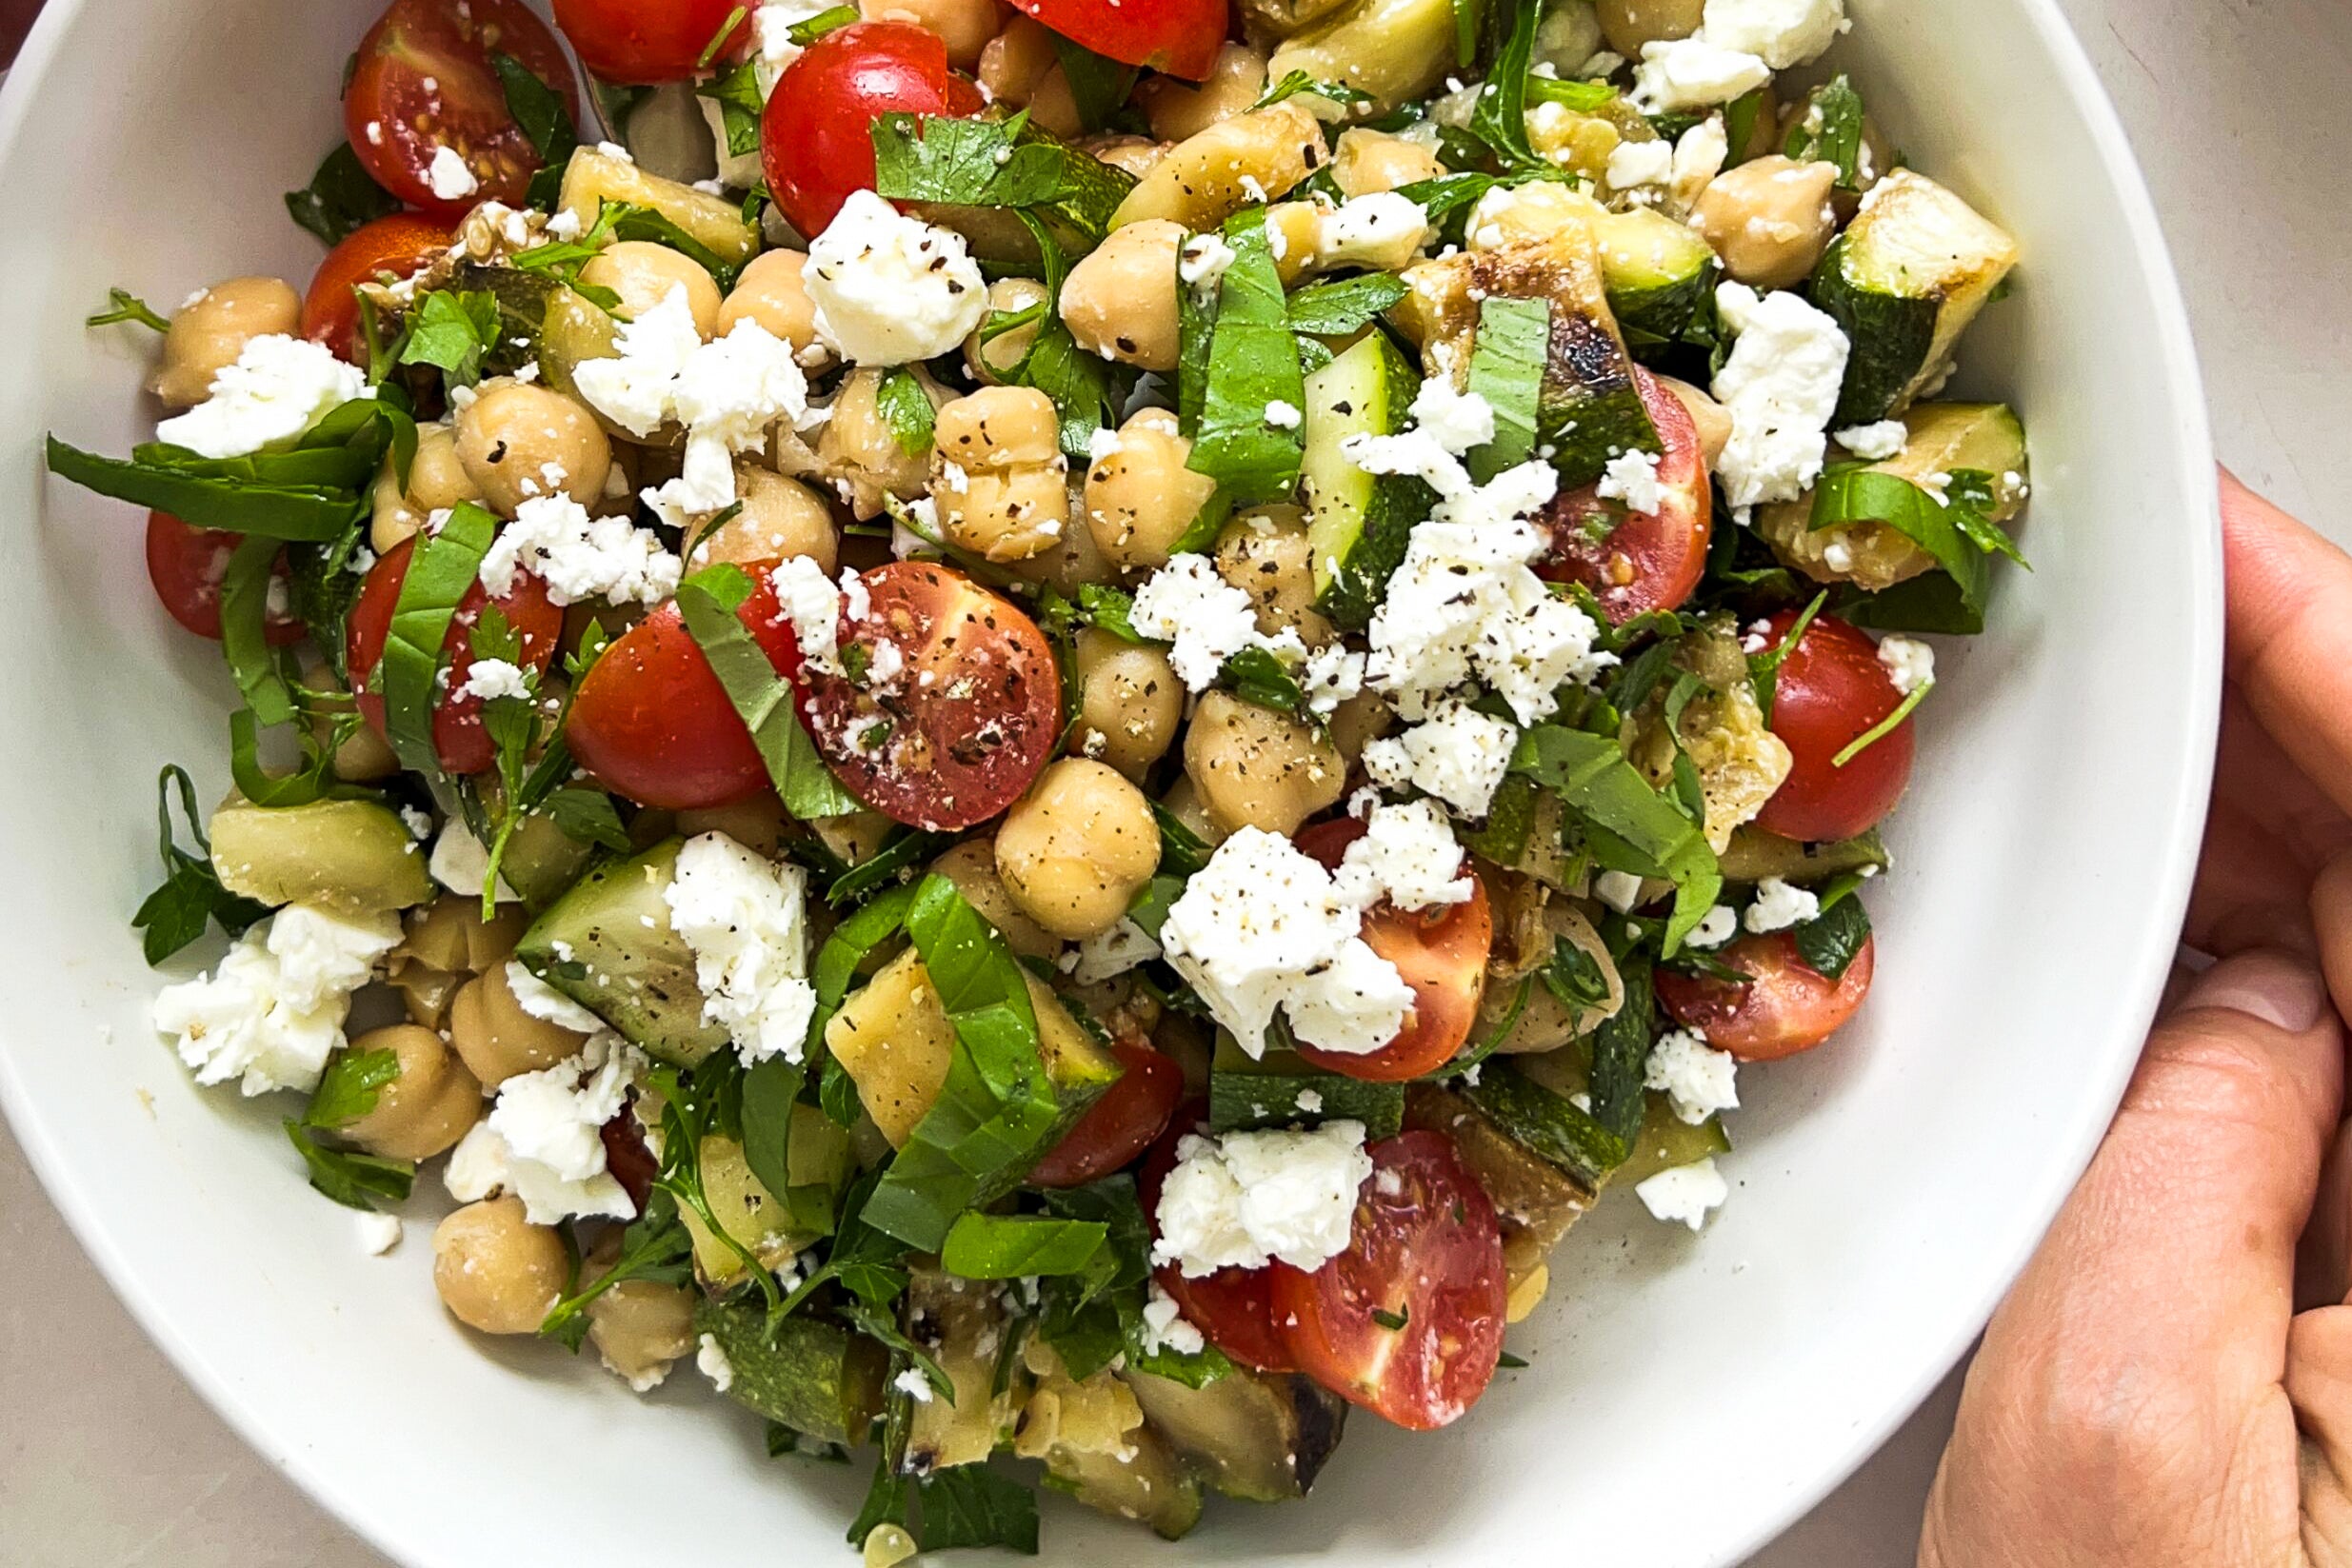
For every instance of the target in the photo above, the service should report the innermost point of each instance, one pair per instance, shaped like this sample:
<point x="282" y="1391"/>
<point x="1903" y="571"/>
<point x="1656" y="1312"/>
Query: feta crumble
<point x="1686" y="73"/>
<point x="448" y="177"/>
<point x="580" y="557"/>
<point x="543" y="1140"/>
<point x="544" y="1002"/>
<point x="1205" y="618"/>
<point x="1781" y="33"/>
<point x="1685" y="1195"/>
<point x="1380" y="229"/>
<point x="889" y="290"/>
<point x="1281" y="415"/>
<point x="912" y="1384"/>
<point x="1407" y="857"/>
<point x="1633" y="164"/>
<point x="378" y="1233"/>
<point x="1875" y="443"/>
<point x="1778" y="906"/>
<point x="1715" y="927"/>
<point x="712" y="1361"/>
<point x="1165" y="1328"/>
<point x="491" y="678"/>
<point x="1620" y="890"/>
<point x="1201" y="264"/>
<point x="1458" y="755"/>
<point x="278" y="388"/>
<point x="459" y="863"/>
<point x="1632" y="478"/>
<point x="1112" y="953"/>
<point x="1697" y="1080"/>
<point x="1246" y="1198"/>
<point x="1910" y="663"/>
<point x="1780" y="386"/>
<point x="273" y="1010"/>
<point x="742" y="916"/>
<point x="812" y="602"/>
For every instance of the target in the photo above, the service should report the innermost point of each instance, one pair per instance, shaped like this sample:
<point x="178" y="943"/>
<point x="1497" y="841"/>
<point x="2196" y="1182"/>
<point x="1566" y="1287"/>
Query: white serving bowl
<point x="1687" y="1396"/>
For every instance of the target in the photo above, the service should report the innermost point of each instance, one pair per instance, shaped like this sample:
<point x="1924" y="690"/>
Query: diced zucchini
<point x="811" y="1376"/>
<point x="1358" y="523"/>
<point x="1544" y="1123"/>
<point x="1755" y="854"/>
<point x="1905" y="281"/>
<point x="593" y="178"/>
<point x="962" y="1323"/>
<point x="1659" y="272"/>
<point x="1091" y="1434"/>
<point x="771" y="1225"/>
<point x="1532" y="1194"/>
<point x="1211" y="176"/>
<point x="1395" y="50"/>
<point x="353" y="855"/>
<point x="1666" y="1142"/>
<point x="572" y="332"/>
<point x="1245" y="1094"/>
<point x="608" y="945"/>
<point x="541" y="860"/>
<point x="1263" y="1436"/>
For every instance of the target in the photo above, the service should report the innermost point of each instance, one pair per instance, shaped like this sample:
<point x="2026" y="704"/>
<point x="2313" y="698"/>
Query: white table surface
<point x="108" y="1461"/>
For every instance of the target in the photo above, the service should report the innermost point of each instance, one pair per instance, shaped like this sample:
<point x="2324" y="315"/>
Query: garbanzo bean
<point x="209" y="331"/>
<point x="1120" y="301"/>
<point x="1249" y="158"/>
<point x="488" y="1028"/>
<point x="1178" y="109"/>
<point x="1053" y="107"/>
<point x="436" y="479"/>
<point x="519" y="440"/>
<point x="858" y="453"/>
<point x="1258" y="768"/>
<point x="1076" y="850"/>
<point x="965" y="25"/>
<point x="446" y="944"/>
<point x="644" y="274"/>
<point x="770" y="292"/>
<point x="425" y="1110"/>
<point x="639" y="1327"/>
<point x="1629" y="23"/>
<point x="1015" y="61"/>
<point x="998" y="473"/>
<point x="972" y="866"/>
<point x="495" y="1270"/>
<point x="1128" y="154"/>
<point x="1769" y="220"/>
<point x="781" y="517"/>
<point x="1129" y="702"/>
<point x="1265" y="554"/>
<point x="1140" y="498"/>
<point x="1364" y="162"/>
<point x="759" y="823"/>
<point x="1712" y="418"/>
<point x="988" y="361"/>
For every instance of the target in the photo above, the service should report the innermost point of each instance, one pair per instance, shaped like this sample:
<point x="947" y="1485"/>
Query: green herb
<point x="244" y="614"/>
<point x="1832" y="940"/>
<point x="1955" y="529"/>
<point x="1467" y="1061"/>
<point x="837" y="1094"/>
<point x="1149" y="909"/>
<point x="1830" y="131"/>
<point x="350" y="1086"/>
<point x="585" y="815"/>
<point x="1582" y="97"/>
<point x="1740" y="120"/>
<point x="1392" y="1322"/>
<point x="1336" y="310"/>
<point x="971" y="1505"/>
<point x="710" y="603"/>
<point x="340" y="198"/>
<point x="887" y="1496"/>
<point x="809" y="29"/>
<point x="539" y="109"/>
<point x="1621" y="1049"/>
<point x="906" y="409"/>
<point x="1008" y="1246"/>
<point x="1507" y="368"/>
<point x="356" y="1181"/>
<point x="453" y="332"/>
<point x="1099" y="85"/>
<point x="1763" y="670"/>
<point x="174" y="915"/>
<point x="1182" y="850"/>
<point x="1252" y="364"/>
<point x="299" y="787"/>
<point x="1255" y="675"/>
<point x="1595" y="781"/>
<point x="441" y="573"/>
<point x="1498" y="118"/>
<point x="238" y="494"/>
<point x="1084" y="386"/>
<point x="656" y="1246"/>
<point x="737" y="93"/>
<point x="718" y="39"/>
<point x="1508" y="1363"/>
<point x="1575" y="977"/>
<point x="909" y="848"/>
<point x="1296" y="82"/>
<point x="124" y="305"/>
<point x="994" y="163"/>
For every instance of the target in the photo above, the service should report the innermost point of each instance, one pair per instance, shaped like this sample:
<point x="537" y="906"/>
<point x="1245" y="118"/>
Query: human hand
<point x="2149" y="1394"/>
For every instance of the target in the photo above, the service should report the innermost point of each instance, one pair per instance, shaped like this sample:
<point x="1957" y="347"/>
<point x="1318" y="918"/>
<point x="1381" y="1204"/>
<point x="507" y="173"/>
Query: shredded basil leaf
<point x="1848" y="496"/>
<point x="540" y="111"/>
<point x="441" y="573"/>
<point x="708" y="602"/>
<point x="1885" y="727"/>
<point x="809" y="29"/>
<point x="1507" y="368"/>
<point x="353" y="1179"/>
<point x="1336" y="310"/>
<point x="1099" y="85"/>
<point x="1499" y="119"/>
<point x="1252" y="367"/>
<point x="174" y="915"/>
<point x="340" y="198"/>
<point x="1830" y="131"/>
<point x="1595" y="781"/>
<point x="1008" y="1246"/>
<point x="1832" y="940"/>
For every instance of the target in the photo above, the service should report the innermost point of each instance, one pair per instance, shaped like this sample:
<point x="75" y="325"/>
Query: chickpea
<point x="363" y="757"/>
<point x="1055" y="108"/>
<point x="1129" y="702"/>
<point x="770" y="292"/>
<point x="759" y="823"/>
<point x="1769" y="220"/>
<point x="966" y="25"/>
<point x="1178" y="109"/>
<point x="1069" y="563"/>
<point x="991" y="360"/>
<point x="1255" y="767"/>
<point x="427" y="1108"/>
<point x="640" y="1326"/>
<point x="495" y="1270"/>
<point x="488" y="1028"/>
<point x="209" y="331"/>
<point x="1265" y="554"/>
<point x="858" y="453"/>
<point x="436" y="480"/>
<point x="997" y="473"/>
<point x="1629" y="23"/>
<point x="519" y="440"/>
<point x="1128" y="154"/>
<point x="645" y="273"/>
<point x="1249" y="158"/>
<point x="445" y="944"/>
<point x="1076" y="850"/>
<point x="780" y="518"/>
<point x="972" y="866"/>
<point x="1364" y="162"/>
<point x="1184" y="803"/>
<point x="1358" y="722"/>
<point x="1712" y="418"/>
<point x="1140" y="498"/>
<point x="1015" y="61"/>
<point x="1119" y="300"/>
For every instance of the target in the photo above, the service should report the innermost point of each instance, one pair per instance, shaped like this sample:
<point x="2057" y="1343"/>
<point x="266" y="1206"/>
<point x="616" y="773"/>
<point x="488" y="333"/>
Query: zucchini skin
<point x="1544" y="1124"/>
<point x="1663" y="312"/>
<point x="608" y="945"/>
<point x="1891" y="337"/>
<point x="814" y="1376"/>
<point x="1589" y="409"/>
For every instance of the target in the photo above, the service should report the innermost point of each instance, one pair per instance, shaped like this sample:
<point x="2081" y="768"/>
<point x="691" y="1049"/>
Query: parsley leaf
<point x="1008" y="1246"/>
<point x="174" y="915"/>
<point x="906" y="409"/>
<point x="353" y="1179"/>
<point x="350" y="1086"/>
<point x="994" y="163"/>
<point x="655" y="1246"/>
<point x="125" y="305"/>
<point x="453" y="332"/>
<point x="1296" y="82"/>
<point x="973" y="1505"/>
<point x="340" y="198"/>
<point x="737" y="93"/>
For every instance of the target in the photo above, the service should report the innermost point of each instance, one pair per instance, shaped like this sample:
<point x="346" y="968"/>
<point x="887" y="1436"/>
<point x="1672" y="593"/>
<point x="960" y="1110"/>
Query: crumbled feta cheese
<point x="580" y="557"/>
<point x="812" y="602"/>
<point x="771" y="36"/>
<point x="1875" y="443"/>
<point x="632" y="387"/>
<point x="1686" y="73"/>
<point x="1698" y="1080"/>
<point x="912" y="1384"/>
<point x="889" y="290"/>
<point x="1632" y="478"/>
<point x="1778" y="906"/>
<point x="419" y="824"/>
<point x="1246" y="1199"/>
<point x="1208" y="619"/>
<point x="1697" y="158"/>
<point x="448" y="177"/>
<point x="491" y="678"/>
<point x="729" y="394"/>
<point x="1781" y="33"/>
<point x="1685" y="1195"/>
<point x="1202" y="263"/>
<point x="1309" y="1101"/>
<point x="1714" y="929"/>
<point x="1103" y="441"/>
<point x="1165" y="1328"/>
<point x="614" y="150"/>
<point x="273" y="1010"/>
<point x="712" y="1361"/>
<point x="544" y="1002"/>
<point x="275" y="390"/>
<point x="459" y="863"/>
<point x="1910" y="663"/>
<point x="1112" y="952"/>
<point x="1781" y="388"/>
<point x="1281" y="415"/>
<point x="1262" y="927"/>
<point x="1380" y="230"/>
<point x="1332" y="674"/>
<point x="1620" y="890"/>
<point x="742" y="916"/>
<point x="1456" y="419"/>
<point x="378" y="1233"/>
<point x="1458" y="755"/>
<point x="543" y="1140"/>
<point x="1408" y="856"/>
<point x="1633" y="164"/>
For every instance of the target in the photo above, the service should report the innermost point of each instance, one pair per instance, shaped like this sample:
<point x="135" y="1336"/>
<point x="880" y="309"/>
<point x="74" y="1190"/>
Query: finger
<point x="2323" y="1267"/>
<point x="2250" y="889"/>
<point x="2290" y="634"/>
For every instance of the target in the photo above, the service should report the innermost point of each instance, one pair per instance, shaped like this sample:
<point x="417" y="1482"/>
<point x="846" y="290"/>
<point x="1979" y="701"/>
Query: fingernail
<point x="2271" y="987"/>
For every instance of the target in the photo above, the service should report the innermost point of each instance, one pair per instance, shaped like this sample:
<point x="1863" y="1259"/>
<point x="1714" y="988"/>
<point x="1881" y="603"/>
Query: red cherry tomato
<point x="186" y="562"/>
<point x="1119" y="1126"/>
<point x="1442" y="953"/>
<point x="816" y="137"/>
<point x="1785" y="1006"/>
<point x="644" y="44"/>
<point x="1832" y="691"/>
<point x="1427" y="1249"/>
<point x="627" y="1156"/>
<point x="458" y="735"/>
<point x="398" y="245"/>
<point x="1234" y="1307"/>
<point x="423" y="81"/>
<point x="1638" y="560"/>
<point x="652" y="723"/>
<point x="1177" y="36"/>
<point x="967" y="719"/>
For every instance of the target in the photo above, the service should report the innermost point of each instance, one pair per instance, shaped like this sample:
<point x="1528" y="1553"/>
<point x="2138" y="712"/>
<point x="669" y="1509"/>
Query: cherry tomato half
<point x="1831" y="691"/>
<point x="652" y="723"/>
<point x="1178" y="36"/>
<point x="1638" y="560"/>
<point x="1234" y="1307"/>
<point x="644" y="44"/>
<point x="395" y="247"/>
<point x="1785" y="1006"/>
<point x="967" y="715"/>
<point x="458" y="735"/>
<point x="627" y="1154"/>
<point x="1427" y="1256"/>
<point x="1441" y="951"/>
<point x="186" y="563"/>
<point x="1122" y="1124"/>
<point x="424" y="82"/>
<point x="816" y="137"/>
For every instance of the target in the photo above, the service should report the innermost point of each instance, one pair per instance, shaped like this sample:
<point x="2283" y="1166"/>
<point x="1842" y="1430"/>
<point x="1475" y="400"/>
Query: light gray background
<point x="108" y="1461"/>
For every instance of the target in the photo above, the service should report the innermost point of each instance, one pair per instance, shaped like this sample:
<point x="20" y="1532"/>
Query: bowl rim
<point x="2079" y="1136"/>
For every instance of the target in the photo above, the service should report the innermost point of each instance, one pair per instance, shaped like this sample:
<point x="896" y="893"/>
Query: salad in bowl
<point x="1044" y="730"/>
